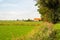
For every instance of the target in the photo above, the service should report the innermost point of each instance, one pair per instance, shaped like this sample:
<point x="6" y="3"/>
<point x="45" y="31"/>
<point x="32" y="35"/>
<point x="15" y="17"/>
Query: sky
<point x="18" y="9"/>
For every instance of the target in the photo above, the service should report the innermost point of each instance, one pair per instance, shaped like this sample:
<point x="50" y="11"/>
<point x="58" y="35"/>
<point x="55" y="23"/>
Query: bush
<point x="45" y="34"/>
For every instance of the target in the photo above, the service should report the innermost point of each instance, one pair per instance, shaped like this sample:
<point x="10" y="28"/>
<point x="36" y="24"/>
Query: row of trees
<point x="49" y="9"/>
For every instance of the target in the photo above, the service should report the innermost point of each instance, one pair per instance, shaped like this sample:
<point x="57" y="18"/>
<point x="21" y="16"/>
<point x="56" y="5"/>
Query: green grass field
<point x="57" y="29"/>
<point x="57" y="26"/>
<point x="10" y="29"/>
<point x="14" y="29"/>
<point x="6" y="32"/>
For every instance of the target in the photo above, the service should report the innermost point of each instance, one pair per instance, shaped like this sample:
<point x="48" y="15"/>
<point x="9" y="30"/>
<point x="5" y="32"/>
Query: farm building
<point x="37" y="19"/>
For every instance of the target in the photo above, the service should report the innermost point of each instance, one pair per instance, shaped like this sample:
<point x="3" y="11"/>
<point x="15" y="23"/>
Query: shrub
<point x="45" y="34"/>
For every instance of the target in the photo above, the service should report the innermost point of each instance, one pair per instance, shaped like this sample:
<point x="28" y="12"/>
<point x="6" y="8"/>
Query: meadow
<point x="14" y="29"/>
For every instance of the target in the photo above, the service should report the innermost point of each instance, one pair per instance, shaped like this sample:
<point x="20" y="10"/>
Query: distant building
<point x="37" y="19"/>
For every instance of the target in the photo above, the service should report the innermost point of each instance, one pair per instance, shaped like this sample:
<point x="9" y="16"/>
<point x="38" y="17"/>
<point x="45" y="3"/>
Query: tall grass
<point x="45" y="33"/>
<point x="20" y="23"/>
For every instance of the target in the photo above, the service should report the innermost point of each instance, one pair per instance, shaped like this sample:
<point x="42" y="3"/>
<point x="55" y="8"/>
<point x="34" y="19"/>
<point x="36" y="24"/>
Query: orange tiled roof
<point x="37" y="18"/>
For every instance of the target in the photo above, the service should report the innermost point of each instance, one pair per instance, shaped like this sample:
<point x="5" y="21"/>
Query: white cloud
<point x="18" y="9"/>
<point x="18" y="15"/>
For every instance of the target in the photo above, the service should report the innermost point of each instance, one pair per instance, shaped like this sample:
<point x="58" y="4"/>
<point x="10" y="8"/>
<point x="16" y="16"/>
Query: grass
<point x="19" y="23"/>
<point x="57" y="29"/>
<point x="14" y="29"/>
<point x="57" y="26"/>
<point x="6" y="32"/>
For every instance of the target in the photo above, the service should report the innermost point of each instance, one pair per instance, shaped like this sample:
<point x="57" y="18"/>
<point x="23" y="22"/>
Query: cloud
<point x="17" y="15"/>
<point x="17" y="9"/>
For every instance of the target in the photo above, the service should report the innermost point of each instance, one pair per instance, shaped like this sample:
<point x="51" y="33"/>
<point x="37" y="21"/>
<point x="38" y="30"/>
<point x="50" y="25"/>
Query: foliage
<point x="49" y="10"/>
<point x="45" y="33"/>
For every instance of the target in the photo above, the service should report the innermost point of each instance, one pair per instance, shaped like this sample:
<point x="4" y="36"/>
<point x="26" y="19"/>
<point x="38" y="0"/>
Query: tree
<point x="49" y="10"/>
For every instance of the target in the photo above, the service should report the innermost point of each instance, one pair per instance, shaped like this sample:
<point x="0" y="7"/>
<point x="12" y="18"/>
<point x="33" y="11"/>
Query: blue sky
<point x="18" y="9"/>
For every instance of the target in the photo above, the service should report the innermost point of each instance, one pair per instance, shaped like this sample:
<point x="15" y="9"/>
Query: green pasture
<point x="10" y="29"/>
<point x="6" y="32"/>
<point x="14" y="29"/>
<point x="57" y="26"/>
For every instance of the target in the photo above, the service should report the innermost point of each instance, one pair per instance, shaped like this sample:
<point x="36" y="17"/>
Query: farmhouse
<point x="37" y="19"/>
